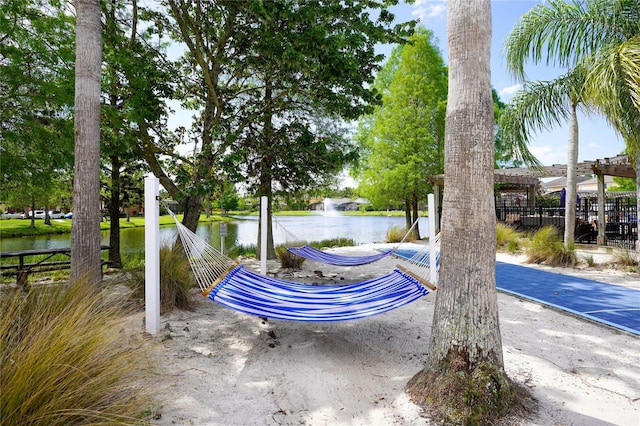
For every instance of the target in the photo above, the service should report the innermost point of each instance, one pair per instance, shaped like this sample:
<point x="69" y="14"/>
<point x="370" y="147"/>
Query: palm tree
<point x="543" y="105"/>
<point x="613" y="82"/>
<point x="601" y="36"/>
<point x="85" y="232"/>
<point x="465" y="336"/>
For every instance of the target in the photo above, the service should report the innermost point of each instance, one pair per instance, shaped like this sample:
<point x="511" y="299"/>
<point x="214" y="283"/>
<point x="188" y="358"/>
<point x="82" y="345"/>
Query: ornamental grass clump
<point x="67" y="359"/>
<point x="625" y="257"/>
<point x="333" y="242"/>
<point x="287" y="259"/>
<point x="546" y="246"/>
<point x="176" y="280"/>
<point x="395" y="234"/>
<point x="508" y="238"/>
<point x="249" y="250"/>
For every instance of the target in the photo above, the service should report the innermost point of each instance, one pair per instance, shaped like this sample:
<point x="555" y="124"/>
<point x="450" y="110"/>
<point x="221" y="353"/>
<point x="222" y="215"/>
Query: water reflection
<point x="243" y="230"/>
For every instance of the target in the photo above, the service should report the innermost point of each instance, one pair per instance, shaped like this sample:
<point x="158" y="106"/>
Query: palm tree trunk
<point x="465" y="335"/>
<point x="638" y="207"/>
<point x="466" y="317"/>
<point x="572" y="164"/>
<point x="85" y="232"/>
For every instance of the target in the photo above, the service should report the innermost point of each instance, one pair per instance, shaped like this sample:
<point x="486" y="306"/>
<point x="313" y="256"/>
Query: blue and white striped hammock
<point x="238" y="288"/>
<point x="255" y="294"/>
<point x="312" y="253"/>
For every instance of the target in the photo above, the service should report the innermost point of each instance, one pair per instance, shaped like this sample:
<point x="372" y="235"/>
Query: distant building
<point x="558" y="184"/>
<point x="592" y="184"/>
<point x="338" y="204"/>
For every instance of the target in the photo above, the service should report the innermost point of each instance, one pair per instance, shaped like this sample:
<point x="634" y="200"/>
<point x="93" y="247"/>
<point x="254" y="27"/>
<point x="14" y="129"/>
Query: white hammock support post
<point x="433" y="277"/>
<point x="152" y="254"/>
<point x="263" y="235"/>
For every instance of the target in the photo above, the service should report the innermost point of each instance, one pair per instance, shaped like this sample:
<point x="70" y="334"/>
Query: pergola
<point x="529" y="178"/>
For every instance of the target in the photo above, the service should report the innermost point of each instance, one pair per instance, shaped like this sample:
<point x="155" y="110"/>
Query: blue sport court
<point x="609" y="304"/>
<point x="614" y="305"/>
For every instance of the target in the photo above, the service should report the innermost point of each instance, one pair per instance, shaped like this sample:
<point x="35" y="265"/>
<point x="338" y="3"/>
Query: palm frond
<point x="561" y="33"/>
<point x="613" y="86"/>
<point x="541" y="106"/>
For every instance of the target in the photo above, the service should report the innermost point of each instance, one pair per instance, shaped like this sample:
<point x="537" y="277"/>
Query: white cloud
<point x="429" y="9"/>
<point x="509" y="91"/>
<point x="549" y="155"/>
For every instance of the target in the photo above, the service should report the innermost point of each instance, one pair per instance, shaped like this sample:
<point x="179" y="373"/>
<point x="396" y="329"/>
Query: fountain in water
<point x="329" y="208"/>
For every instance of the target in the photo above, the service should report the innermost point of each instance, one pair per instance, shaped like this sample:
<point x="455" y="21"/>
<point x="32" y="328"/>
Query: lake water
<point x="244" y="230"/>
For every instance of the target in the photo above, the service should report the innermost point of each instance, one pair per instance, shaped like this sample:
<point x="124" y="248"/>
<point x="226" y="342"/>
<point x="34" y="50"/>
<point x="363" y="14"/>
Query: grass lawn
<point x="22" y="227"/>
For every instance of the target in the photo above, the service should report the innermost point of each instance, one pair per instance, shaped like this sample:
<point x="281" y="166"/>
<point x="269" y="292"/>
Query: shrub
<point x="65" y="359"/>
<point x="590" y="261"/>
<point x="625" y="257"/>
<point x="508" y="238"/>
<point x="288" y="259"/>
<point x="395" y="234"/>
<point x="241" y="250"/>
<point x="333" y="242"/>
<point x="176" y="280"/>
<point x="547" y="247"/>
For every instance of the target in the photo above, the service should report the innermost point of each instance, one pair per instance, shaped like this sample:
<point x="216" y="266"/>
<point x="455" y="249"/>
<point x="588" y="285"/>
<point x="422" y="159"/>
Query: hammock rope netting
<point x="222" y="280"/>
<point x="312" y="253"/>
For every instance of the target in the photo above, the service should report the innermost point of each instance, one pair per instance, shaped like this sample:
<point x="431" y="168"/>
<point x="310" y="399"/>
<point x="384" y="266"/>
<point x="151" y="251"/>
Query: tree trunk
<point x="32" y="217"/>
<point x="265" y="190"/>
<point x="47" y="218"/>
<point x="464" y="369"/>
<point x="85" y="232"/>
<point x="572" y="164"/>
<point x="193" y="202"/>
<point x="115" y="261"/>
<point x="192" y="207"/>
<point x="638" y="205"/>
<point x="416" y="217"/>
<point x="265" y="174"/>
<point x="407" y="214"/>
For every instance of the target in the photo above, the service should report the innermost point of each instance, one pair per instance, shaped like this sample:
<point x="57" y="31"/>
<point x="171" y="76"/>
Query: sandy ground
<point x="218" y="367"/>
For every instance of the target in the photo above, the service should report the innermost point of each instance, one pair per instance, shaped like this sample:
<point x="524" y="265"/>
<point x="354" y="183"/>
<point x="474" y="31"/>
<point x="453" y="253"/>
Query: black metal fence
<point x="621" y="223"/>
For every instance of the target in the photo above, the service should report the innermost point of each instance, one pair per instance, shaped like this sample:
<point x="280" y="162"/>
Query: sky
<point x="596" y="139"/>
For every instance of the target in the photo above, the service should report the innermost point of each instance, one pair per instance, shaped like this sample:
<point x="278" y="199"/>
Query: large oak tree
<point x="265" y="77"/>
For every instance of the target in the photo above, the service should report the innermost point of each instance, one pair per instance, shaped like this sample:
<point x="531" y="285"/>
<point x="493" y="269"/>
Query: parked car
<point x="68" y="215"/>
<point x="56" y="214"/>
<point x="7" y="215"/>
<point x="37" y="214"/>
